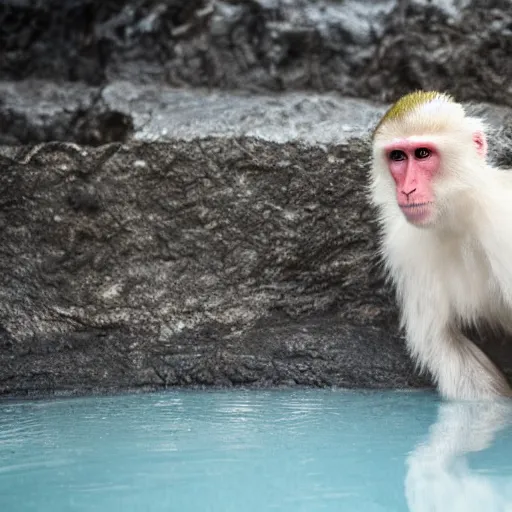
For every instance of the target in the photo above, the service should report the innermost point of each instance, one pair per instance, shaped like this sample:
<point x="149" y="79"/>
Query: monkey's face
<point x="414" y="163"/>
<point x="426" y="162"/>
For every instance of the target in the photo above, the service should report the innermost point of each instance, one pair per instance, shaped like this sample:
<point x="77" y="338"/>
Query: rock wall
<point x="364" y="48"/>
<point x="209" y="262"/>
<point x="153" y="236"/>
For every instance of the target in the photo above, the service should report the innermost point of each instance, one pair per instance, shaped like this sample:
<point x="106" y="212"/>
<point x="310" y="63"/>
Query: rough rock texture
<point x="214" y="261"/>
<point x="365" y="48"/>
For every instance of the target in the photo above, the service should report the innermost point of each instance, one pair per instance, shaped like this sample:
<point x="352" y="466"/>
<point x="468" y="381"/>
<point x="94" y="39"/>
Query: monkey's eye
<point x="396" y="155"/>
<point x="422" y="153"/>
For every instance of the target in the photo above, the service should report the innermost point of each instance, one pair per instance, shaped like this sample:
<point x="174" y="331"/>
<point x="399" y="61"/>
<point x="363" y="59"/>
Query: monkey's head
<point x="427" y="153"/>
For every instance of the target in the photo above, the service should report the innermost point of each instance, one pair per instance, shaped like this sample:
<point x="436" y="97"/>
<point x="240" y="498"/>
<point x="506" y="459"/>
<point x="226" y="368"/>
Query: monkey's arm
<point x="459" y="368"/>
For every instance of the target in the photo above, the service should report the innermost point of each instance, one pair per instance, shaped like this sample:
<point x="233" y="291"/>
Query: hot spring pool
<point x="243" y="451"/>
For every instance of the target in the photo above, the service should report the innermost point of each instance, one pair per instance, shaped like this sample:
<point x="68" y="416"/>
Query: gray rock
<point x="206" y="262"/>
<point x="375" y="49"/>
<point x="40" y="111"/>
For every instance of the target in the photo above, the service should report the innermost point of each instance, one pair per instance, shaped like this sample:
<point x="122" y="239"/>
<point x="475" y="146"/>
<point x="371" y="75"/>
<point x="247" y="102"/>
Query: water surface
<point x="303" y="450"/>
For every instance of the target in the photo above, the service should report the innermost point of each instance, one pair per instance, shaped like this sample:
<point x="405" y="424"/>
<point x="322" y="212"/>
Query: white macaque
<point x="446" y="220"/>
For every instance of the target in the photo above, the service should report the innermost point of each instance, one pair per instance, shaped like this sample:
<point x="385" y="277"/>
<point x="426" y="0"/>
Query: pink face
<point x="413" y="163"/>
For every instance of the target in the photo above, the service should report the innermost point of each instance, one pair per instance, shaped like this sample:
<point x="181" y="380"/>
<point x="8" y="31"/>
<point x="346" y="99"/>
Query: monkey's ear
<point x="480" y="142"/>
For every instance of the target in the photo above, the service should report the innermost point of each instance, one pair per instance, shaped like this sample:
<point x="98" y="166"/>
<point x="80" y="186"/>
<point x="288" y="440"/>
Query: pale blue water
<point x="244" y="451"/>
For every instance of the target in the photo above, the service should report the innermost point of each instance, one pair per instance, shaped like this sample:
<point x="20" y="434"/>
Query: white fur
<point x="458" y="271"/>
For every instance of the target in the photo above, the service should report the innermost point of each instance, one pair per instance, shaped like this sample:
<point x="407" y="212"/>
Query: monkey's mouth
<point x="418" y="213"/>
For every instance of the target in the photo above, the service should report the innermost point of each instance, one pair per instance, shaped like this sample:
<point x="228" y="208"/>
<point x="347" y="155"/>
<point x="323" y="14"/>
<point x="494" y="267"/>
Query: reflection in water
<point x="439" y="477"/>
<point x="254" y="451"/>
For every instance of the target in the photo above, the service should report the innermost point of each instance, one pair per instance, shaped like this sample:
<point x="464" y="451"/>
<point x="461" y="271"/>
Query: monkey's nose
<point x="407" y="194"/>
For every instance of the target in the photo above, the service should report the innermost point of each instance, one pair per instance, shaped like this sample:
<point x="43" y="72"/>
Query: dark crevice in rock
<point x="42" y="112"/>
